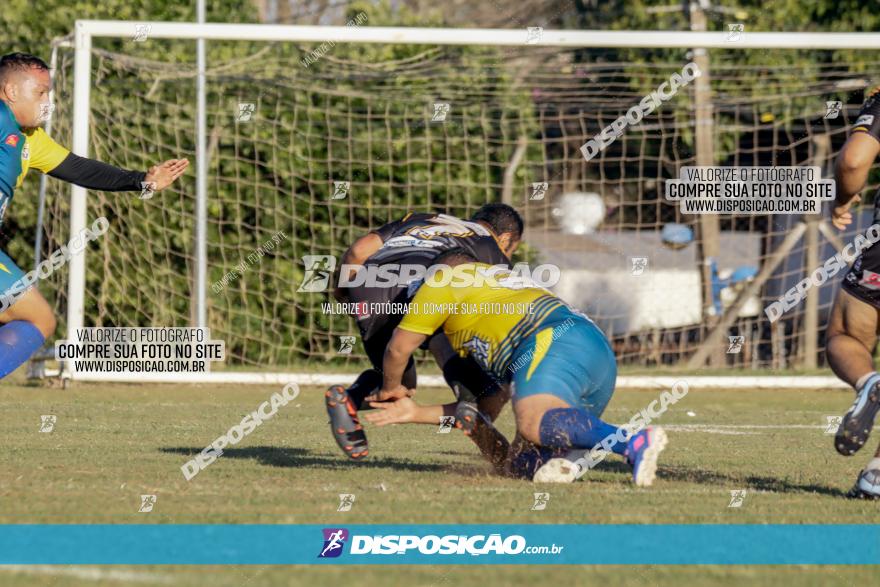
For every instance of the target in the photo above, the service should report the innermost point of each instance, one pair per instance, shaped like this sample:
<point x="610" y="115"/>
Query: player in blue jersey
<point x="559" y="366"/>
<point x="24" y="106"/>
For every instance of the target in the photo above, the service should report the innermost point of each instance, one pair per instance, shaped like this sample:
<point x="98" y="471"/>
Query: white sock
<point x="873" y="465"/>
<point x="864" y="379"/>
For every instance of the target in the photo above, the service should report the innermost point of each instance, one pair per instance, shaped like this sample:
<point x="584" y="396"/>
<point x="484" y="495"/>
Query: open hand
<point x="841" y="217"/>
<point x="385" y="395"/>
<point x="399" y="412"/>
<point x="163" y="175"/>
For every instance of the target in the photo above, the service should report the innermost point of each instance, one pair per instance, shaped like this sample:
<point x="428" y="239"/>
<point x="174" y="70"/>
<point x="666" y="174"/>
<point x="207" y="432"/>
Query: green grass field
<point x="112" y="443"/>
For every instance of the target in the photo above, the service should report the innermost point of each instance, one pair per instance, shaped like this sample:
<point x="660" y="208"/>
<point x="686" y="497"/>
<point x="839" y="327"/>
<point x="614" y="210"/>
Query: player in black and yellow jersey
<point x="492" y="234"/>
<point x="855" y="318"/>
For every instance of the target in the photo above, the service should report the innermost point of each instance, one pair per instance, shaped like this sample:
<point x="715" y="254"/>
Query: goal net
<point x="312" y="144"/>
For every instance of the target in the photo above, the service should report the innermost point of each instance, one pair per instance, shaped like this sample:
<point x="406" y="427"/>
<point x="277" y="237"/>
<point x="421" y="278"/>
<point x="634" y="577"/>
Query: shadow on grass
<point x="704" y="477"/>
<point x="301" y="458"/>
<point x="776" y="484"/>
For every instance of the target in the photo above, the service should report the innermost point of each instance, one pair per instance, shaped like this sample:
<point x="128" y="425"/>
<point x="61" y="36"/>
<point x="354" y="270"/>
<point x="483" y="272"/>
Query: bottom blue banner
<point x="230" y="544"/>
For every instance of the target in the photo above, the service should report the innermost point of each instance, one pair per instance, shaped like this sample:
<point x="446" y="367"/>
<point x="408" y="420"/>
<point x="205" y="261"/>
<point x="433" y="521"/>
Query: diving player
<point x="853" y="325"/>
<point x="492" y="234"/>
<point x="559" y="365"/>
<point x="24" y="105"/>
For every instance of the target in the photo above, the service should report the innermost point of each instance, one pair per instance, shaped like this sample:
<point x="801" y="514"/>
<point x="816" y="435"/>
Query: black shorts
<point x="376" y="343"/>
<point x="379" y="308"/>
<point x="863" y="278"/>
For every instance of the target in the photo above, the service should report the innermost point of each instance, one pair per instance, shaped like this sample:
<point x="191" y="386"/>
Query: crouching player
<point x="491" y="235"/>
<point x="559" y="365"/>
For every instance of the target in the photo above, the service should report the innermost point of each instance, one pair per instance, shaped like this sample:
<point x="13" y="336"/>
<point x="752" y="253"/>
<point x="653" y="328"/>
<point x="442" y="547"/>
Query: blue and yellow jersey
<point x="21" y="150"/>
<point x="486" y="320"/>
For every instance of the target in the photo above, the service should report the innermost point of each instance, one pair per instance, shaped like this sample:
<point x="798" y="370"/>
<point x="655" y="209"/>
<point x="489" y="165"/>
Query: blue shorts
<point x="9" y="275"/>
<point x="569" y="357"/>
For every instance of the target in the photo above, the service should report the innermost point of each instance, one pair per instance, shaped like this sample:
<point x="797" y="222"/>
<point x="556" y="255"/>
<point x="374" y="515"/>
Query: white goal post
<point x="86" y="30"/>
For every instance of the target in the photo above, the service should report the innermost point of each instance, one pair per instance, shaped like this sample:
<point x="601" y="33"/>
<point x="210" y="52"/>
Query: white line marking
<point x="746" y="426"/>
<point x="624" y="381"/>
<point x="674" y="428"/>
<point x="92" y="573"/>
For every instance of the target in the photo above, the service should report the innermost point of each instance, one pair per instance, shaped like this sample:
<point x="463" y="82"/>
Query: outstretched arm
<point x="407" y="411"/>
<point x="96" y="175"/>
<point x="492" y="443"/>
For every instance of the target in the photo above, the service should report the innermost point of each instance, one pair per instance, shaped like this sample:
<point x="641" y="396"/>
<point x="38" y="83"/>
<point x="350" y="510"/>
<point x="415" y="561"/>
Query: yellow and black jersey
<point x="415" y="241"/>
<point x="868" y="120"/>
<point x="484" y="311"/>
<point x="419" y="235"/>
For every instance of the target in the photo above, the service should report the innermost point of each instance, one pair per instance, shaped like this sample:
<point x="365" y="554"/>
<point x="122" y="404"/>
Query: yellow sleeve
<point x="45" y="154"/>
<point x="428" y="310"/>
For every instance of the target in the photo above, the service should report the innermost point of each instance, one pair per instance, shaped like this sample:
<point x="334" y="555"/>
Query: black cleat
<point x="466" y="417"/>
<point x="479" y="428"/>
<point x="867" y="486"/>
<point x="344" y="423"/>
<point x="859" y="420"/>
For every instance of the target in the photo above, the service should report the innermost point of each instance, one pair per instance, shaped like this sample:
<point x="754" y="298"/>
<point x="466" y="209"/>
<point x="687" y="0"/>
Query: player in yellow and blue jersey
<point x="24" y="106"/>
<point x="558" y="363"/>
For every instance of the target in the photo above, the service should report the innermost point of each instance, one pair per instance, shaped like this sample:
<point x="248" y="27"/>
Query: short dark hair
<point x="501" y="218"/>
<point x="19" y="62"/>
<point x="453" y="257"/>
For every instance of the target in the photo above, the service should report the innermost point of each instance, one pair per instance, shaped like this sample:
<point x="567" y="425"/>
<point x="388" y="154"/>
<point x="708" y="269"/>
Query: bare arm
<point x="851" y="172"/>
<point x="491" y="443"/>
<point x="401" y="347"/>
<point x="407" y="411"/>
<point x="361" y="250"/>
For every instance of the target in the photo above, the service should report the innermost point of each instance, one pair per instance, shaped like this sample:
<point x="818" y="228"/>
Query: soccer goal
<point x="314" y="135"/>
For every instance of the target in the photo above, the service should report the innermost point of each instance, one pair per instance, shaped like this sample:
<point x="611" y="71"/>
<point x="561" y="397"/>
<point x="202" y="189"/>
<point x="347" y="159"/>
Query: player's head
<point x="24" y="86"/>
<point x="505" y="222"/>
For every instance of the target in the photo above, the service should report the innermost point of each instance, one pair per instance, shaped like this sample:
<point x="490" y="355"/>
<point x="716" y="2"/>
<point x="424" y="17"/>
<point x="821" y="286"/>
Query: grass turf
<point x="113" y="443"/>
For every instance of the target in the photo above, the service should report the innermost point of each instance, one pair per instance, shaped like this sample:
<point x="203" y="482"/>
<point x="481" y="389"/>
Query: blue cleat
<point x="642" y="451"/>
<point x="867" y="485"/>
<point x="859" y="420"/>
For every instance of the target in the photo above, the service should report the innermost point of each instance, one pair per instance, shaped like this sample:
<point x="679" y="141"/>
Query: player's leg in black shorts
<point x="863" y="278"/>
<point x="862" y="282"/>
<point x="376" y="330"/>
<point x="370" y="380"/>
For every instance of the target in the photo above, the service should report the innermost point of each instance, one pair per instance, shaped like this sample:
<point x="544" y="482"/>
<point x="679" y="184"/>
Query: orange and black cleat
<point x="344" y="423"/>
<point x="468" y="417"/>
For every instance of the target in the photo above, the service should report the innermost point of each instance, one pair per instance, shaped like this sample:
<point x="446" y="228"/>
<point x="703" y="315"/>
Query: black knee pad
<point x="468" y="380"/>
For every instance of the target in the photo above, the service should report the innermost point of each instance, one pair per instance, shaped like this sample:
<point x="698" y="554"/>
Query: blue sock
<point x="578" y="428"/>
<point x="18" y="341"/>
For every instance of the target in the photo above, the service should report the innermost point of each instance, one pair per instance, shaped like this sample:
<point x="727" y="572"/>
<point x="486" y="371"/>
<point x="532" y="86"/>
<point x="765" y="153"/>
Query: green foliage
<point x="356" y="113"/>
